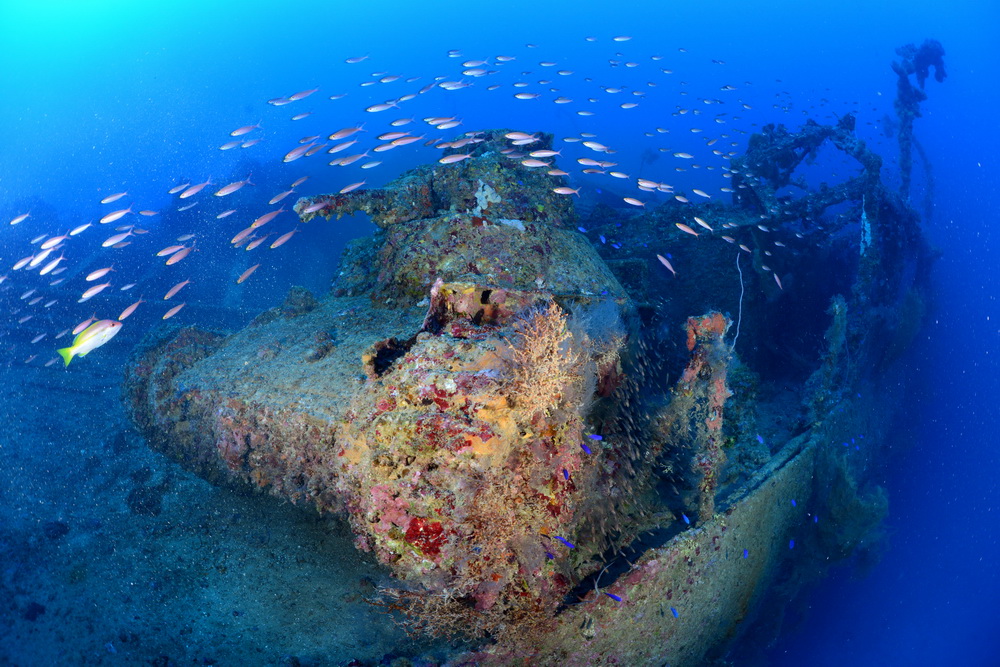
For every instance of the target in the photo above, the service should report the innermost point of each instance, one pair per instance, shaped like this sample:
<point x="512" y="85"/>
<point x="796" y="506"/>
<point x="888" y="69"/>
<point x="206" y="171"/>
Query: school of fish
<point x="519" y="75"/>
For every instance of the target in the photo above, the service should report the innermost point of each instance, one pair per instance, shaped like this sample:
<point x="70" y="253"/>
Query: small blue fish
<point x="603" y="240"/>
<point x="793" y="502"/>
<point x="585" y="448"/>
<point x="614" y="597"/>
<point x="550" y="555"/>
<point x="581" y="230"/>
<point x="760" y="439"/>
<point x="791" y="544"/>
<point x="674" y="612"/>
<point x="745" y="553"/>
<point x="594" y="436"/>
<point x="565" y="541"/>
<point x="815" y="518"/>
<point x="686" y="519"/>
<point x="566" y="474"/>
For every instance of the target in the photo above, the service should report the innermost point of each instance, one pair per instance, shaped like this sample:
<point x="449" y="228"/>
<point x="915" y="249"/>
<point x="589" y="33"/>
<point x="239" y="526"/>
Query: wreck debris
<point x="773" y="156"/>
<point x="454" y="437"/>
<point x="691" y="424"/>
<point x="916" y="61"/>
<point x="497" y="443"/>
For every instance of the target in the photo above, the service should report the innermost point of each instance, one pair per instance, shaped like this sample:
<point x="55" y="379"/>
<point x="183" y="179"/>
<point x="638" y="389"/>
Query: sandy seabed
<point x="112" y="555"/>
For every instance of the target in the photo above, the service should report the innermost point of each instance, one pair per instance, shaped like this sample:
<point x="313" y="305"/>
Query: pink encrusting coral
<point x="463" y="460"/>
<point x="692" y="422"/>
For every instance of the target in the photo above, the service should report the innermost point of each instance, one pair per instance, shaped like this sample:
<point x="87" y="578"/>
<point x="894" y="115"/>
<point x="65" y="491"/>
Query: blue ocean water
<point x="108" y="97"/>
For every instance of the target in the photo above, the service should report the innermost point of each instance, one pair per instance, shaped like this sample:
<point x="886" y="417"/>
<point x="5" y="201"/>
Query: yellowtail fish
<point x="403" y="141"/>
<point x="99" y="273"/>
<point x="173" y="311"/>
<point x="703" y="223"/>
<point x="687" y="230"/>
<point x="116" y="239"/>
<point x="348" y="188"/>
<point x="279" y="197"/>
<point x="666" y="263"/>
<point x="115" y="197"/>
<point x="20" y="218"/>
<point x="389" y="136"/>
<point x="232" y="187"/>
<point x="93" y="291"/>
<point x="242" y="235"/>
<point x="246" y="274"/>
<point x="131" y="309"/>
<point x="301" y="95"/>
<point x="39" y="258"/>
<point x="169" y="250"/>
<point x="195" y="189"/>
<point x="91" y="338"/>
<point x="281" y="240"/>
<point x="346" y="132"/>
<point x="566" y="191"/>
<point x="174" y="290"/>
<point x="256" y="242"/>
<point x="296" y="153"/>
<point x="48" y="268"/>
<point x="240" y="131"/>
<point x="342" y="146"/>
<point x="266" y="218"/>
<point x="351" y="159"/>
<point x="117" y="215"/>
<point x="179" y="255"/>
<point x="451" y="159"/>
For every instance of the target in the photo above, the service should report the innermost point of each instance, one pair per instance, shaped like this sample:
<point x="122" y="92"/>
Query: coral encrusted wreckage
<point x="565" y="469"/>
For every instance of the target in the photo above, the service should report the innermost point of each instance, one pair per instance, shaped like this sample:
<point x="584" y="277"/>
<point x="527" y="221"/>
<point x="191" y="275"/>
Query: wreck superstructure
<point x="548" y="450"/>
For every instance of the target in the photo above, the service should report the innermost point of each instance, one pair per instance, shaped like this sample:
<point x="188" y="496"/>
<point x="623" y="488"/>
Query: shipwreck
<point x="559" y="447"/>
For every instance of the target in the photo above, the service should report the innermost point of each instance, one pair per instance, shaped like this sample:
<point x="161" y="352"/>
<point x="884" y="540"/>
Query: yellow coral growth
<point x="541" y="362"/>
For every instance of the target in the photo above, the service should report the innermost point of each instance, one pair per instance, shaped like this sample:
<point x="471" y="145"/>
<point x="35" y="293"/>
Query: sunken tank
<point x="557" y="446"/>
